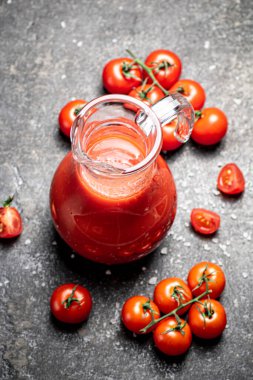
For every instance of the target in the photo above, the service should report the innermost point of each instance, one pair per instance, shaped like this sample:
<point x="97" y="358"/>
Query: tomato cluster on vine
<point x="173" y="298"/>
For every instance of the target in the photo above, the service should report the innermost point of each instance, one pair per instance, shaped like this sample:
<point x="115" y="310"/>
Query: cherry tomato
<point x="170" y="293"/>
<point x="147" y="93"/>
<point x="120" y="75"/>
<point x="193" y="92"/>
<point x="231" y="180"/>
<point x="206" y="272"/>
<point x="204" y="221"/>
<point x="71" y="303"/>
<point x="10" y="220"/>
<point x="170" y="340"/>
<point x="169" y="140"/>
<point x="210" y="127"/>
<point x="137" y="313"/>
<point x="207" y="320"/>
<point x="166" y="66"/>
<point x="68" y="114"/>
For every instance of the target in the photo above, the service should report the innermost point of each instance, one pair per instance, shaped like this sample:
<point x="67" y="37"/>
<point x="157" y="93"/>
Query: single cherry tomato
<point x="147" y="93"/>
<point x="170" y="142"/>
<point x="68" y="114"/>
<point x="205" y="222"/>
<point x="172" y="338"/>
<point x="71" y="303"/>
<point x="210" y="126"/>
<point x="171" y="293"/>
<point x="206" y="273"/>
<point x="231" y="180"/>
<point x="166" y="67"/>
<point x="10" y="220"/>
<point x="137" y="313"/>
<point x="120" y="75"/>
<point x="192" y="90"/>
<point x="207" y="320"/>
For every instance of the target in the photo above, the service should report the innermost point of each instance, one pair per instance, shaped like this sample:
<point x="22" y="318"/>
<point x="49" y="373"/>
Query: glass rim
<point x="114" y="98"/>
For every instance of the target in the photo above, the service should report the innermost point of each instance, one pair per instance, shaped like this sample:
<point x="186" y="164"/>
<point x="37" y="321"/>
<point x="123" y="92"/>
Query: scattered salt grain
<point x="236" y="304"/>
<point x="113" y="322"/>
<point x="43" y="284"/>
<point x="237" y="101"/>
<point x="134" y="335"/>
<point x="187" y="244"/>
<point x="207" y="45"/>
<point x="215" y="240"/>
<point x="63" y="24"/>
<point x="143" y="268"/>
<point x="227" y="326"/>
<point x="222" y="247"/>
<point x="108" y="272"/>
<point x="27" y="242"/>
<point x="114" y="40"/>
<point x="54" y="242"/>
<point x="164" y="251"/>
<point x="72" y="256"/>
<point x="63" y="76"/>
<point x="79" y="43"/>
<point x="117" y="305"/>
<point x="1" y="284"/>
<point x="9" y="1"/>
<point x="244" y="275"/>
<point x="152" y="281"/>
<point x="216" y="192"/>
<point x="233" y="216"/>
<point x="206" y="247"/>
<point x="74" y="41"/>
<point x="212" y="67"/>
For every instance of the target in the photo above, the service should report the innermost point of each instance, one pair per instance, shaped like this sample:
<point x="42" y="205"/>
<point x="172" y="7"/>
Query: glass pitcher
<point x="113" y="197"/>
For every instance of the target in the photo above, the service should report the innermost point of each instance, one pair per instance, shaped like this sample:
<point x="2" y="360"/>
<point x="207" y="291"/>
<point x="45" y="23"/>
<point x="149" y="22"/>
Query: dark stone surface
<point x="52" y="51"/>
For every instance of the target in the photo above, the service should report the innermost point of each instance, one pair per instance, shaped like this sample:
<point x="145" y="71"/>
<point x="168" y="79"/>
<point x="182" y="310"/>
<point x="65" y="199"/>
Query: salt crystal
<point x="117" y="305"/>
<point x="134" y="335"/>
<point x="227" y="326"/>
<point x="27" y="242"/>
<point x="63" y="76"/>
<point x="74" y="41"/>
<point x="236" y="304"/>
<point x="237" y="101"/>
<point x="212" y="67"/>
<point x="43" y="284"/>
<point x="9" y="1"/>
<point x="1" y="284"/>
<point x="54" y="242"/>
<point x="233" y="216"/>
<point x="187" y="224"/>
<point x="164" y="251"/>
<point x="108" y="272"/>
<point x="187" y="244"/>
<point x="207" y="45"/>
<point x="114" y="40"/>
<point x="156" y="271"/>
<point x="228" y="242"/>
<point x="152" y="281"/>
<point x="216" y="192"/>
<point x="223" y="247"/>
<point x="72" y="256"/>
<point x="215" y="240"/>
<point x="63" y="24"/>
<point x="79" y="43"/>
<point x="206" y="247"/>
<point x="244" y="275"/>
<point x="143" y="268"/>
<point x="113" y="322"/>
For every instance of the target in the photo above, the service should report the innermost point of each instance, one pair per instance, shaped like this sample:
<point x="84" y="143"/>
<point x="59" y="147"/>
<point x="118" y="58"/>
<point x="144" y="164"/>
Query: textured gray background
<point x="52" y="51"/>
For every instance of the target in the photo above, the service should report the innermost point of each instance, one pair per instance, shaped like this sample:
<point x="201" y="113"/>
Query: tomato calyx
<point x="181" y="90"/>
<point x="179" y="326"/>
<point x="161" y="65"/>
<point x="147" y="307"/>
<point x="177" y="294"/>
<point x="8" y="201"/>
<point x="198" y="115"/>
<point x="68" y="301"/>
<point x="205" y="278"/>
<point x="207" y="313"/>
<point x="77" y="110"/>
<point x="126" y="69"/>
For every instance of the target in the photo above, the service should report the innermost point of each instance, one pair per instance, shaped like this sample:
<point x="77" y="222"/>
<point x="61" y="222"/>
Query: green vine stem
<point x="148" y="70"/>
<point x="174" y="312"/>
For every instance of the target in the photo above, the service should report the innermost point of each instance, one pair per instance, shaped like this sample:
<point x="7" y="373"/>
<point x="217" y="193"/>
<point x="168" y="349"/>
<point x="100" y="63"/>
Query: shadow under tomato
<point x="203" y="236"/>
<point x="170" y="359"/>
<point x="65" y="327"/>
<point x="207" y="149"/>
<point x="206" y="343"/>
<point x="138" y="339"/>
<point x="8" y="242"/>
<point x="173" y="154"/>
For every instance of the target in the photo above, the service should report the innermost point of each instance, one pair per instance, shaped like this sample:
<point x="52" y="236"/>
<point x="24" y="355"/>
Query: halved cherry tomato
<point x="210" y="127"/>
<point x="71" y="303"/>
<point x="147" y="93"/>
<point x="208" y="319"/>
<point x="10" y="220"/>
<point x="120" y="75"/>
<point x="205" y="222"/>
<point x="169" y="140"/>
<point x="137" y="313"/>
<point x="171" y="293"/>
<point x="206" y="272"/>
<point x="192" y="90"/>
<point x="231" y="180"/>
<point x="171" y="338"/>
<point x="166" y="66"/>
<point x="68" y="114"/>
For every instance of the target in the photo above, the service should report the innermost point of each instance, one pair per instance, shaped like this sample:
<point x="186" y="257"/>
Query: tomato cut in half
<point x="205" y="222"/>
<point x="231" y="180"/>
<point x="192" y="90"/>
<point x="166" y="67"/>
<point x="10" y="220"/>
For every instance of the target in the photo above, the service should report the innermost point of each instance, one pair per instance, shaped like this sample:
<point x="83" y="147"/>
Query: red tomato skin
<point x="133" y="316"/>
<point x="76" y="313"/>
<point x="114" y="80"/>
<point x="218" y="279"/>
<point x="211" y="218"/>
<point x="231" y="180"/>
<point x="154" y="95"/>
<point x="194" y="92"/>
<point x="170" y="143"/>
<point x="208" y="328"/>
<point x="211" y="127"/>
<point x="173" y="73"/>
<point x="173" y="343"/>
<point x="67" y="115"/>
<point x="163" y="291"/>
<point x="10" y="222"/>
